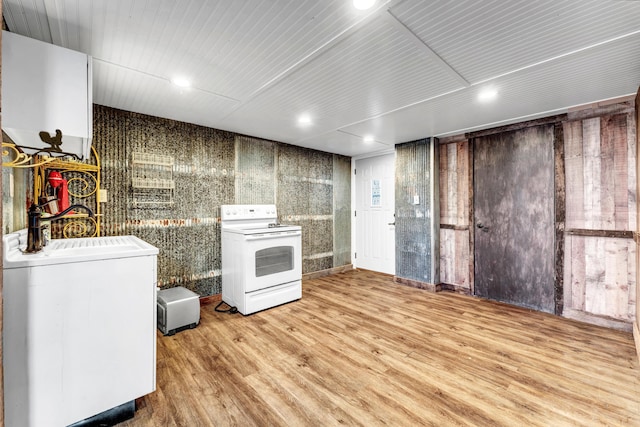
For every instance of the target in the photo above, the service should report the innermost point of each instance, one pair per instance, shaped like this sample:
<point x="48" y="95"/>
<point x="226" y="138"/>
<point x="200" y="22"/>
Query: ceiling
<point x="403" y="70"/>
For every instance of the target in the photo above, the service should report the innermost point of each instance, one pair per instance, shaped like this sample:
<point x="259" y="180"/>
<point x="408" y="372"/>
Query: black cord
<point x="230" y="310"/>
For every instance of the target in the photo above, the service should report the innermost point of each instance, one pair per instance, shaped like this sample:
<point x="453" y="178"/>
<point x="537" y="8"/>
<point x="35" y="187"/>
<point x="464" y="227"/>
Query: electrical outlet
<point x="416" y="200"/>
<point x="103" y="195"/>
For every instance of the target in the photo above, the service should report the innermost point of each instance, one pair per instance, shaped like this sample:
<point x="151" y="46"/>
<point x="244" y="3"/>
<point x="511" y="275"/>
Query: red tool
<point x="60" y="185"/>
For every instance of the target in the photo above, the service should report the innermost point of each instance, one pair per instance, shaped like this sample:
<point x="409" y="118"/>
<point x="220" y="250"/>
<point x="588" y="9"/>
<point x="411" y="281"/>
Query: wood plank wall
<point x="597" y="261"/>
<point x="636" y="329"/>
<point x="1" y="370"/>
<point x="600" y="253"/>
<point x="456" y="260"/>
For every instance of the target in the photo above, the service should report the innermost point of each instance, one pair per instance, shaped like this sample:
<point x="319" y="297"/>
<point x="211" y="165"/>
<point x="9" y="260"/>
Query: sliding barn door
<point x="514" y="217"/>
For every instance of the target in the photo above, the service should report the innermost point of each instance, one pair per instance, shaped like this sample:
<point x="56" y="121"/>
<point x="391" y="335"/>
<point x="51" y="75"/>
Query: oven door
<point x="272" y="259"/>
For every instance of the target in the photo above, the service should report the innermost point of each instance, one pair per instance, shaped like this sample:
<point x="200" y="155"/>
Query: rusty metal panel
<point x="415" y="222"/>
<point x="341" y="210"/>
<point x="305" y="197"/>
<point x="186" y="232"/>
<point x="255" y="182"/>
<point x="212" y="168"/>
<point x="514" y="217"/>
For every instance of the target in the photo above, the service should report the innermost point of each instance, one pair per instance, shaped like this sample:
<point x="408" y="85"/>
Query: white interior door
<point x="374" y="217"/>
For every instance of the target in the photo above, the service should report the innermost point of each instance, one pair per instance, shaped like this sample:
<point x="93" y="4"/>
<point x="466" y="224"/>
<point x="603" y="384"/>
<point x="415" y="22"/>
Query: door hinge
<point x="355" y="255"/>
<point x="354" y="172"/>
<point x="355" y="213"/>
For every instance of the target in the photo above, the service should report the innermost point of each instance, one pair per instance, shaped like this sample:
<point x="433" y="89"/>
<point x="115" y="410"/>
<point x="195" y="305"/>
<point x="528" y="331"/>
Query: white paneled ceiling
<point x="404" y="70"/>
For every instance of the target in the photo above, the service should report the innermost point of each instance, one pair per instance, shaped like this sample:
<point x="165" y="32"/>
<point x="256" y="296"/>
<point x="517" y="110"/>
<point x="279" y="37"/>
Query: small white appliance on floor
<point x="261" y="259"/>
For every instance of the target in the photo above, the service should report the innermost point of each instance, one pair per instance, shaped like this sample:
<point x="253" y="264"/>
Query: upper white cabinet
<point x="45" y="88"/>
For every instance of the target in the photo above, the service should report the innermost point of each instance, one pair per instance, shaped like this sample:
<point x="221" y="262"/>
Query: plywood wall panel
<point x="444" y="184"/>
<point x="462" y="183"/>
<point x="600" y="258"/>
<point x="607" y="177"/>
<point x="591" y="173"/>
<point x="454" y="258"/>
<point x="633" y="120"/>
<point x="600" y="173"/>
<point x="454" y="215"/>
<point x="602" y="276"/>
<point x="461" y="277"/>
<point x="574" y="174"/>
<point x="579" y="272"/>
<point x="632" y="142"/>
<point x="447" y="255"/>
<point x="454" y="183"/>
<point x="452" y="179"/>
<point x="595" y="270"/>
<point x="615" y="138"/>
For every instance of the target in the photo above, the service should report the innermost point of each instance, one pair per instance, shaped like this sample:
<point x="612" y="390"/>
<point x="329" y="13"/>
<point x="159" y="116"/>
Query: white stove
<point x="261" y="259"/>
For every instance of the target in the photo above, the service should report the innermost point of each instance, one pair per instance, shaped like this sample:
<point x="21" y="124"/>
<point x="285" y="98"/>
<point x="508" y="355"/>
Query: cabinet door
<point x="44" y="88"/>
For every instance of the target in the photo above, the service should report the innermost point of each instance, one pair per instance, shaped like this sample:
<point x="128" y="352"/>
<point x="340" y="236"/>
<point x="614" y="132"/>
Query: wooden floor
<point x="358" y="349"/>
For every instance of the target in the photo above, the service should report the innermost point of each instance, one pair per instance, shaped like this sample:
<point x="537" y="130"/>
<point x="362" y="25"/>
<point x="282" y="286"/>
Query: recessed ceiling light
<point x="368" y="138"/>
<point x="363" y="4"/>
<point x="181" y="82"/>
<point x="487" y="95"/>
<point x="304" y="119"/>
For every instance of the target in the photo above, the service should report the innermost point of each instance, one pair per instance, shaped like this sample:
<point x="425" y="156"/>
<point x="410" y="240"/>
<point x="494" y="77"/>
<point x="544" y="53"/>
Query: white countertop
<point x="62" y="251"/>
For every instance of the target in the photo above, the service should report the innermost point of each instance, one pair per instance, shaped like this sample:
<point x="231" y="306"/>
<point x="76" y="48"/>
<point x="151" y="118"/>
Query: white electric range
<point x="261" y="259"/>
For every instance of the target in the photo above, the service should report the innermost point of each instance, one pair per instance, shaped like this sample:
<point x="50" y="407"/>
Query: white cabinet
<point x="79" y="327"/>
<point x="44" y="88"/>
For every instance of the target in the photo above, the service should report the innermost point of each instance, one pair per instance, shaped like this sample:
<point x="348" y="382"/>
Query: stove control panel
<point x="247" y="212"/>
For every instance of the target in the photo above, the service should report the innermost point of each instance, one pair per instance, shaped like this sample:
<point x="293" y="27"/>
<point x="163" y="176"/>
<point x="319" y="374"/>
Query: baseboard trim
<point x="327" y="272"/>
<point x="210" y="299"/>
<point x="593" y="319"/>
<point x="416" y="284"/>
<point x="453" y="288"/>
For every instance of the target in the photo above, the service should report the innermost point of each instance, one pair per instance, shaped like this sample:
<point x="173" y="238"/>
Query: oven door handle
<point x="272" y="235"/>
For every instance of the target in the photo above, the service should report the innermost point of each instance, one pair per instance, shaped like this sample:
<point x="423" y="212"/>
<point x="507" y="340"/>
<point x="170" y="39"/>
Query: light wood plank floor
<point x="358" y="349"/>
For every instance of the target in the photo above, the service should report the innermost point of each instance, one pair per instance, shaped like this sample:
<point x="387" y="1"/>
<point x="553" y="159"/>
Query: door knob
<point x="483" y="227"/>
